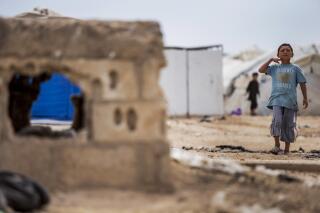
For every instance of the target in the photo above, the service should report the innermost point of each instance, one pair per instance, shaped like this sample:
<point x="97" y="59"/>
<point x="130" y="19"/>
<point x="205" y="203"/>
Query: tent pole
<point x="188" y="84"/>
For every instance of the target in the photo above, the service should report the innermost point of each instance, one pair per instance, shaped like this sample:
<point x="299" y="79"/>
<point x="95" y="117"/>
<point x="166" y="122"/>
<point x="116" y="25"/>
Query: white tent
<point x="192" y="81"/>
<point x="239" y="75"/>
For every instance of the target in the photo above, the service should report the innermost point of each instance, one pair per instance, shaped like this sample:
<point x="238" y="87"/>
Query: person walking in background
<point x="283" y="99"/>
<point x="253" y="91"/>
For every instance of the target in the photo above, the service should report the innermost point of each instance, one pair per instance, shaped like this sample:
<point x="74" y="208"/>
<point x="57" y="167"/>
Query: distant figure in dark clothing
<point x="253" y="91"/>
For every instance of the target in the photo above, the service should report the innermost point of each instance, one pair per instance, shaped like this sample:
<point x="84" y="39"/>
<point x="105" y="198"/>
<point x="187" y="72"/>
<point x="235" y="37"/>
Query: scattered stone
<point x="205" y="118"/>
<point x="222" y="118"/>
<point x="187" y="148"/>
<point x="300" y="150"/>
<point x="201" y="148"/>
<point x="198" y="161"/>
<point x="280" y="174"/>
<point x="233" y="148"/>
<point x="313" y="154"/>
<point x="287" y="178"/>
<point x="257" y="208"/>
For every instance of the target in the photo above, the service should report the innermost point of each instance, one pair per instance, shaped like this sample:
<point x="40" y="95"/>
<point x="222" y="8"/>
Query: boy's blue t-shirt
<point x="285" y="78"/>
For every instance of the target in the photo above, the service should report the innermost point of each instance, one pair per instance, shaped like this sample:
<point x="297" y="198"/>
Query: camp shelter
<point x="192" y="81"/>
<point x="54" y="99"/>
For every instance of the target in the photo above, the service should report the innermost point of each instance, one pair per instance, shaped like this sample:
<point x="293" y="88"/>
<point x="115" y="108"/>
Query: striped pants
<point x="284" y="124"/>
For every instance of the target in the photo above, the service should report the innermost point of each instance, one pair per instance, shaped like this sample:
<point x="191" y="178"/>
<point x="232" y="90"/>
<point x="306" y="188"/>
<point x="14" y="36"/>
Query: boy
<point x="283" y="99"/>
<point x="253" y="90"/>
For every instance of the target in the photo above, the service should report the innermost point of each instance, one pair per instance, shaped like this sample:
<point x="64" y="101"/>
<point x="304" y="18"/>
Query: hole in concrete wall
<point x="113" y="75"/>
<point x="132" y="119"/>
<point x="117" y="116"/>
<point x="45" y="105"/>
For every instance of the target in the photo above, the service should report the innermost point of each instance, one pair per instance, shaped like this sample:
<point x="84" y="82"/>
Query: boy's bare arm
<point x="264" y="67"/>
<point x="304" y="94"/>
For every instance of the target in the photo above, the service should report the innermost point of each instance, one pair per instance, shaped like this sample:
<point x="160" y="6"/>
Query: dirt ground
<point x="251" y="133"/>
<point x="203" y="191"/>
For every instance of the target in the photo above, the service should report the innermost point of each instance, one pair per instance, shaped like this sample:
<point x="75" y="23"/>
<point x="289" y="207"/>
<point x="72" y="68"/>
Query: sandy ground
<point x="252" y="133"/>
<point x="202" y="191"/>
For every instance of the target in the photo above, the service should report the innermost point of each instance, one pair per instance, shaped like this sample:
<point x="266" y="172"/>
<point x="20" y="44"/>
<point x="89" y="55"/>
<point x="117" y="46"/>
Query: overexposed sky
<point x="237" y="24"/>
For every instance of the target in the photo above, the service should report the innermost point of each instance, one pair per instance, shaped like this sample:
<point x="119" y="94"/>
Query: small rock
<point x="187" y="148"/>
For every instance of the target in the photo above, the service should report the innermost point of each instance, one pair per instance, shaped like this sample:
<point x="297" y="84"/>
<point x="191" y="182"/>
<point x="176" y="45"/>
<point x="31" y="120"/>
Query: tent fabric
<point x="192" y="81"/>
<point x="54" y="99"/>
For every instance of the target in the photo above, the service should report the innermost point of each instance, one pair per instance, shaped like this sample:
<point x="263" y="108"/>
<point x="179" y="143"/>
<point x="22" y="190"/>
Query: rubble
<point x="120" y="122"/>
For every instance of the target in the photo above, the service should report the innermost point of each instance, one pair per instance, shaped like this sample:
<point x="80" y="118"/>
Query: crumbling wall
<point x="117" y="66"/>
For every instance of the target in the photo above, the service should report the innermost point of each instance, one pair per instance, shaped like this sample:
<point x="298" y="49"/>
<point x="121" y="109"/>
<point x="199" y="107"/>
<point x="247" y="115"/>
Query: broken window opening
<point x="45" y="105"/>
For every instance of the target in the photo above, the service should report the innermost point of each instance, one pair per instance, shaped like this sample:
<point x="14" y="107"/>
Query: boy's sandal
<point x="275" y="150"/>
<point x="282" y="152"/>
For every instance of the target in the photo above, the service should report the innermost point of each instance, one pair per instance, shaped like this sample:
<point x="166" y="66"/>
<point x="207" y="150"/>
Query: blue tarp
<point x="54" y="100"/>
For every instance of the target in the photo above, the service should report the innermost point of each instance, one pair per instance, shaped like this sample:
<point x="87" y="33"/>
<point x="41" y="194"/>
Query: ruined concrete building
<point x="120" y="139"/>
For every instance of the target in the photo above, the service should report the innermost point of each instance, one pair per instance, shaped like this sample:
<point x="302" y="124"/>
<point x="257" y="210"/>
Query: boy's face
<point x="285" y="53"/>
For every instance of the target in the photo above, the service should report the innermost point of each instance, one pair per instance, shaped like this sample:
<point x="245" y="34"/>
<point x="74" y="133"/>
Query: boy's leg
<point x="287" y="148"/>
<point x="287" y="128"/>
<point x="277" y="141"/>
<point x="276" y="125"/>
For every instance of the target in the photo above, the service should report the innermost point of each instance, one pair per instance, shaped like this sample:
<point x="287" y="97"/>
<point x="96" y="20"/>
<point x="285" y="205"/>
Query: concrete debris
<point x="221" y="148"/>
<point x="117" y="65"/>
<point x="219" y="202"/>
<point x="287" y="178"/>
<point x="206" y="118"/>
<point x="198" y="161"/>
<point x="209" y="119"/>
<point x="264" y="170"/>
<point x="300" y="150"/>
<point x="256" y="208"/>
<point x="313" y="154"/>
<point x="231" y="148"/>
<point x="225" y="165"/>
<point x="187" y="148"/>
<point x="280" y="174"/>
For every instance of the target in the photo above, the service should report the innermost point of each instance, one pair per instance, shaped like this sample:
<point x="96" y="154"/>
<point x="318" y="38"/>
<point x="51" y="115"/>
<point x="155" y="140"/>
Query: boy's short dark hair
<point x="285" y="45"/>
<point x="254" y="74"/>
